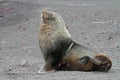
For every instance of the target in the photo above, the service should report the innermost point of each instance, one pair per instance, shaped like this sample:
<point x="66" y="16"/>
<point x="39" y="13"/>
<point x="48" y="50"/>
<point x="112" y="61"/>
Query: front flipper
<point x="45" y="70"/>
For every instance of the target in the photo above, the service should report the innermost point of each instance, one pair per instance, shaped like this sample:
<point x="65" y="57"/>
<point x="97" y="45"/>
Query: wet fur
<point x="60" y="52"/>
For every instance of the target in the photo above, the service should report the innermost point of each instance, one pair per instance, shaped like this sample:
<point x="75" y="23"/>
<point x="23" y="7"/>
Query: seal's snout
<point x="45" y="14"/>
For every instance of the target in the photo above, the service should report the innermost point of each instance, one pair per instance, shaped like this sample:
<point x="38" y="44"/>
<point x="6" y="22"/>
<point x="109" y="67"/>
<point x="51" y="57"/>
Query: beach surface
<point x="92" y="23"/>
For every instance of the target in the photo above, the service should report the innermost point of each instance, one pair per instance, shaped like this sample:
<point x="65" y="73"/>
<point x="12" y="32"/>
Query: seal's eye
<point x="51" y="16"/>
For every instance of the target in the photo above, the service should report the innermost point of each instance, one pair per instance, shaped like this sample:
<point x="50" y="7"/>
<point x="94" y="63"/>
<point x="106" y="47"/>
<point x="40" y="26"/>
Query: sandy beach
<point x="92" y="23"/>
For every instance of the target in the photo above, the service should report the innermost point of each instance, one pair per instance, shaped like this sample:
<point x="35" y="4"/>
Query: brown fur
<point x="71" y="64"/>
<point x="60" y="52"/>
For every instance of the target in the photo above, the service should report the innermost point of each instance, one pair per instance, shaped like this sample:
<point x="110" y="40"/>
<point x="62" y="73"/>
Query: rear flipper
<point x="106" y="63"/>
<point x="99" y="63"/>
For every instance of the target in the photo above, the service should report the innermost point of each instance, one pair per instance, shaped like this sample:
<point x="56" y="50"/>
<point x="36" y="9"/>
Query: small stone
<point x="102" y="32"/>
<point x="23" y="62"/>
<point x="95" y="15"/>
<point x="1" y="16"/>
<point x="110" y="38"/>
<point x="26" y="19"/>
<point x="24" y="28"/>
<point x="2" y="41"/>
<point x="88" y="44"/>
<point x="9" y="70"/>
<point x="85" y="38"/>
<point x="83" y="33"/>
<point x="118" y="47"/>
<point x="75" y="16"/>
<point x="99" y="40"/>
<point x="119" y="50"/>
<point x="20" y="26"/>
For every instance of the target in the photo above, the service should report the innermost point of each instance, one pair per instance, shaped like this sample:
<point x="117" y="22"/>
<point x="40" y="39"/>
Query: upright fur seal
<point x="60" y="52"/>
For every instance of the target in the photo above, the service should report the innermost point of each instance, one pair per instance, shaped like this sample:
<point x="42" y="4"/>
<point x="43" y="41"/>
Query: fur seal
<point x="60" y="52"/>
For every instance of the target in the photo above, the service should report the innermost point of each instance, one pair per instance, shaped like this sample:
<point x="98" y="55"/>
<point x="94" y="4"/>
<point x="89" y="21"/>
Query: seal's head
<point x="48" y="16"/>
<point x="52" y="17"/>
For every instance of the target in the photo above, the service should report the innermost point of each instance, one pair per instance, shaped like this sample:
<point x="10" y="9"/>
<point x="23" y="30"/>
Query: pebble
<point x="110" y="38"/>
<point x="1" y="16"/>
<point x="118" y="47"/>
<point x="2" y="41"/>
<point x="88" y="44"/>
<point x="24" y="28"/>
